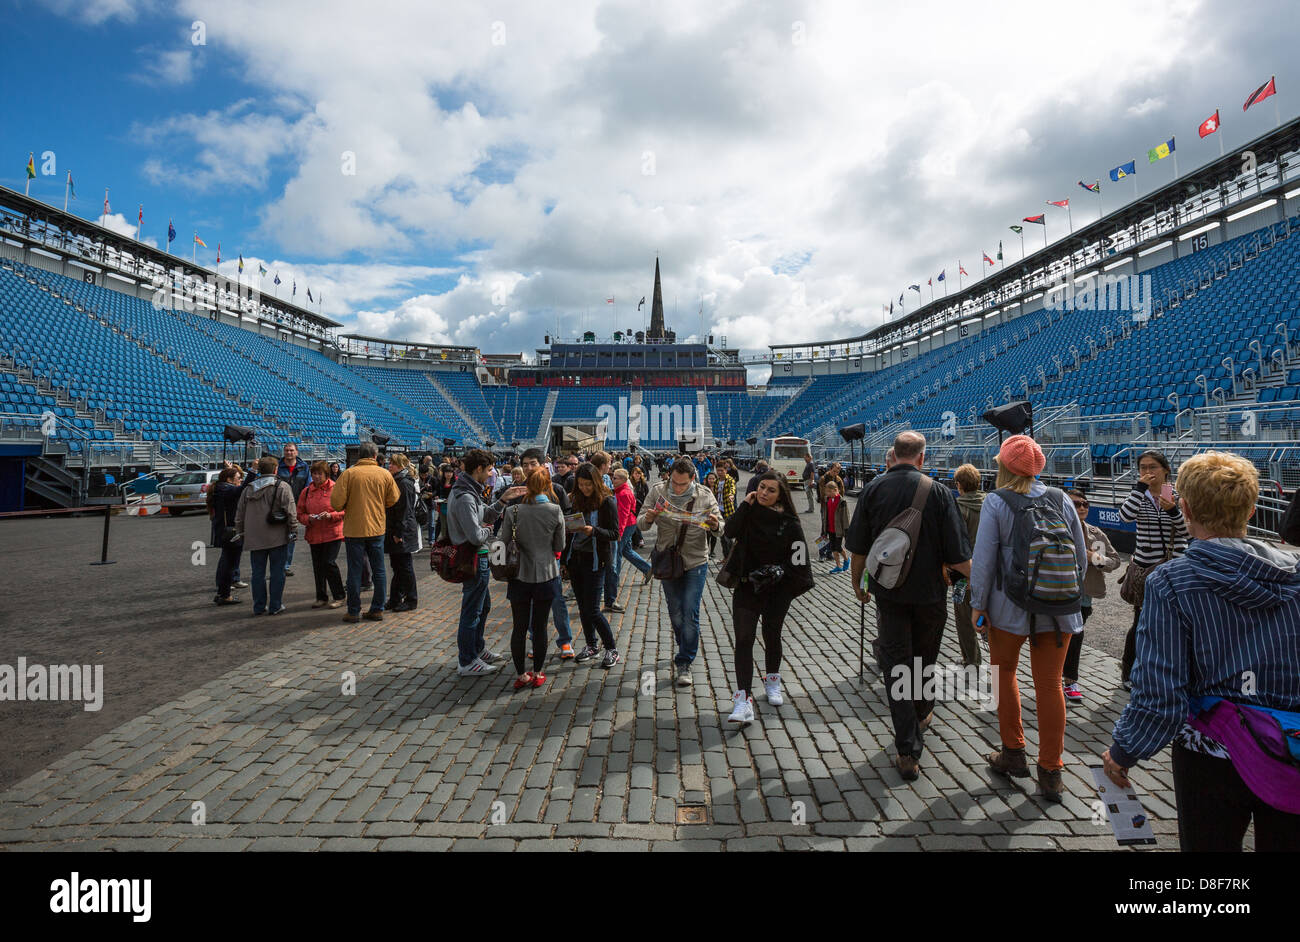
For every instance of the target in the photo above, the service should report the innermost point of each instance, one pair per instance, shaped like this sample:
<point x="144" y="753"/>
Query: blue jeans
<point x="288" y="557"/>
<point x="560" y="615"/>
<point x="625" y="551"/>
<point x="259" y="559"/>
<point x="683" y="596"/>
<point x="475" y="603"/>
<point x="360" y="550"/>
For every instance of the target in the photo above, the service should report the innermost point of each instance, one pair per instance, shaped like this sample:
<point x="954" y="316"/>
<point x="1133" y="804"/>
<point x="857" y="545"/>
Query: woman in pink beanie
<point x="994" y="578"/>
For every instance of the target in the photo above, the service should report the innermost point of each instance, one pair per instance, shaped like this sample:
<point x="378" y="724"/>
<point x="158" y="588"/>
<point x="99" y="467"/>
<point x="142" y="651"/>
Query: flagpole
<point x="1021" y="233"/>
<point x="139" y="222"/>
<point x="1069" y="217"/>
<point x="959" y="286"/>
<point x="194" y="250"/>
<point x="31" y="162"/>
<point x="66" y="187"/>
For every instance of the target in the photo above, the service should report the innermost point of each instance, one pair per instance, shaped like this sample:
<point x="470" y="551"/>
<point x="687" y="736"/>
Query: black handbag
<point x="765" y="578"/>
<point x="277" y="516"/>
<point x="668" y="564"/>
<point x="508" y="567"/>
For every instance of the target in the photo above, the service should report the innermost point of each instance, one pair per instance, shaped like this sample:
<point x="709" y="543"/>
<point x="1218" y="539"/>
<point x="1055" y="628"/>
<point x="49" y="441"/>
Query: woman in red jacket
<point x="324" y="535"/>
<point x="627" y="503"/>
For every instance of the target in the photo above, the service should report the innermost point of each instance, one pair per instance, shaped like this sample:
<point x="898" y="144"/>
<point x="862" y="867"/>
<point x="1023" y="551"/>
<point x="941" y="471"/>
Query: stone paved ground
<point x="417" y="758"/>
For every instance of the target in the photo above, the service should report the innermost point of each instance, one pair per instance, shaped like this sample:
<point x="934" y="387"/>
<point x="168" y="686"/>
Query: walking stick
<point x="862" y="633"/>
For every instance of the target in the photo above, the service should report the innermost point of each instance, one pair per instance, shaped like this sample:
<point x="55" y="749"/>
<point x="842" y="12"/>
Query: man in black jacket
<point x="910" y="617"/>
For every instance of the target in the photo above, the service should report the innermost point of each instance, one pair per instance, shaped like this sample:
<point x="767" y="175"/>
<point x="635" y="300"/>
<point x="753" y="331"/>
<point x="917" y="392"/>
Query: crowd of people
<point x="1214" y="645"/>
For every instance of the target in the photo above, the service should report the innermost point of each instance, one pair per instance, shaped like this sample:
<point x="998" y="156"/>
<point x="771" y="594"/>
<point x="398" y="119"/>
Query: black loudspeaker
<point x="751" y="441"/>
<point x="351" y="454"/>
<point x="379" y="439"/>
<point x="1015" y="418"/>
<point x="239" y="433"/>
<point x="448" y="442"/>
<point x="853" y="433"/>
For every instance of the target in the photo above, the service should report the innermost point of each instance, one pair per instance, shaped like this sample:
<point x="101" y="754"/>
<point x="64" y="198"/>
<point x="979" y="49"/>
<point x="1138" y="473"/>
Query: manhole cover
<point x="692" y="814"/>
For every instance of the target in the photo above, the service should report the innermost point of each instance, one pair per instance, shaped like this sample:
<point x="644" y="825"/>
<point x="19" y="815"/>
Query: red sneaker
<point x="524" y="680"/>
<point x="539" y="679"/>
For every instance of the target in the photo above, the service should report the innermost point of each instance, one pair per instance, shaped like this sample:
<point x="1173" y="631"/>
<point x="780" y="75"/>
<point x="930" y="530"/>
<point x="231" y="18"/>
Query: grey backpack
<point x="890" y="558"/>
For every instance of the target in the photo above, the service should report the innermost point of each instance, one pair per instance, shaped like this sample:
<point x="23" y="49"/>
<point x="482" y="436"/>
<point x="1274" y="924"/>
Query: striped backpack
<point x="1044" y="577"/>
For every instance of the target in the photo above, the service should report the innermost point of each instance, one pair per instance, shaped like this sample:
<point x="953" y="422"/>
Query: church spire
<point x="656" y="331"/>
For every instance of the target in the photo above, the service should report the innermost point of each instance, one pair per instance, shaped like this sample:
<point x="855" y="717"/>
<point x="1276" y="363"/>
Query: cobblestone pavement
<point x="282" y="758"/>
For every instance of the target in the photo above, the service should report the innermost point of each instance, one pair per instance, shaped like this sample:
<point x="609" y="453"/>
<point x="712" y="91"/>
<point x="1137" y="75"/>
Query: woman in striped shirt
<point x="1161" y="531"/>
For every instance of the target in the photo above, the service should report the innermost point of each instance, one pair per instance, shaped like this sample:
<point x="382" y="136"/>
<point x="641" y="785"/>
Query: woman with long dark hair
<point x="537" y="527"/>
<point x="1161" y="535"/>
<point x="402" y="536"/>
<point x="592" y="550"/>
<point x="223" y="502"/>
<point x="770" y="563"/>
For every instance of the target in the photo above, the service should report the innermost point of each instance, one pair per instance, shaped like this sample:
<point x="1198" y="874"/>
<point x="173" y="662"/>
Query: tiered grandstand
<point x="1169" y="321"/>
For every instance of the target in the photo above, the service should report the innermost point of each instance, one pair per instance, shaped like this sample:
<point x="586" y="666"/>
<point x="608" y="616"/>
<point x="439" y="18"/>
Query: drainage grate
<point x="692" y="814"/>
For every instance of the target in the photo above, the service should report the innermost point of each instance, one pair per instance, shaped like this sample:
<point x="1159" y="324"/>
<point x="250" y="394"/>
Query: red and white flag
<point x="609" y="300"/>
<point x="1209" y="125"/>
<point x="1064" y="204"/>
<point x="1264" y="91"/>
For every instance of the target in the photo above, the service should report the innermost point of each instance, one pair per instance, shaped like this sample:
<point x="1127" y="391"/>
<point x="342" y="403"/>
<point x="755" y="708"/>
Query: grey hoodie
<point x="469" y="517"/>
<point x="255" y="503"/>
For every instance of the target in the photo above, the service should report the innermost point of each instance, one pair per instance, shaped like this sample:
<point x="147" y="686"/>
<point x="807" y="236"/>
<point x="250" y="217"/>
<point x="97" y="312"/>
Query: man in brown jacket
<point x="364" y="492"/>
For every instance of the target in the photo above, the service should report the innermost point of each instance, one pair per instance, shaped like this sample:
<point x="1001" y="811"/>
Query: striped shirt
<point x="1159" y="532"/>
<point x="1223" y="620"/>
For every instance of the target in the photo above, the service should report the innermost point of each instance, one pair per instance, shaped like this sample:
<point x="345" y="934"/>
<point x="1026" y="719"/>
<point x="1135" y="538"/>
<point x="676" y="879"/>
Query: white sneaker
<point x="477" y="668"/>
<point x="772" y="684"/>
<point x="744" y="711"/>
<point x="490" y="657"/>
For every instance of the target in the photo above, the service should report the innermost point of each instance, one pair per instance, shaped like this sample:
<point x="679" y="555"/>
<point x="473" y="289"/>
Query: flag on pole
<point x="241" y="263"/>
<point x="1091" y="187"/>
<point x="295" y="289"/>
<point x="309" y="297"/>
<point x="916" y="288"/>
<point x="171" y="232"/>
<point x="198" y="241"/>
<point x="1039" y="220"/>
<point x="987" y="259"/>
<point x="930" y="282"/>
<point x="1264" y="91"/>
<point x="891" y="308"/>
<point x="1209" y="125"/>
<point x="609" y="300"/>
<point x="1064" y="204"/>
<point x="999" y="249"/>
<point x="1160" y="151"/>
<point x="962" y="271"/>
<point x="900" y="297"/>
<point x="261" y="270"/>
<point x="72" y="189"/>
<point x="943" y="274"/>
<point x="277" y="278"/>
<point x="1124" y="170"/>
<point x="641" y="302"/>
<point x="106" y="209"/>
<point x="31" y="166"/>
<point x="140" y="215"/>
<point x="1016" y="229"/>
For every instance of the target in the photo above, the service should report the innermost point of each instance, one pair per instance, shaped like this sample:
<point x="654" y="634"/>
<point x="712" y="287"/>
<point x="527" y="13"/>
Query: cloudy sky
<point x="485" y="173"/>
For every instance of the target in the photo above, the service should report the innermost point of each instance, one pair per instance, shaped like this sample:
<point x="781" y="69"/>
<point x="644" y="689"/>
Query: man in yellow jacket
<point x="363" y="492"/>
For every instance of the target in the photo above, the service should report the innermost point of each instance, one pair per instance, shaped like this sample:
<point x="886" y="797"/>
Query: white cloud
<point x="1145" y="107"/>
<point x="167" y="68"/>
<point x="793" y="163"/>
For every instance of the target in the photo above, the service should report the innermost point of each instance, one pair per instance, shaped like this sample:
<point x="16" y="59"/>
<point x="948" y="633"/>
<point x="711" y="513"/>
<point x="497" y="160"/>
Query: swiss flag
<point x="1209" y="125"/>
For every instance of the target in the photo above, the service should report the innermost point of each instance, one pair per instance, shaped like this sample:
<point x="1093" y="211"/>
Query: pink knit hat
<point x="1021" y="456"/>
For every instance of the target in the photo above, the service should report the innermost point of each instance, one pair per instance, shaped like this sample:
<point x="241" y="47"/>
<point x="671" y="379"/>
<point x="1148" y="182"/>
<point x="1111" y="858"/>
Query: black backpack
<point x="1044" y="578"/>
